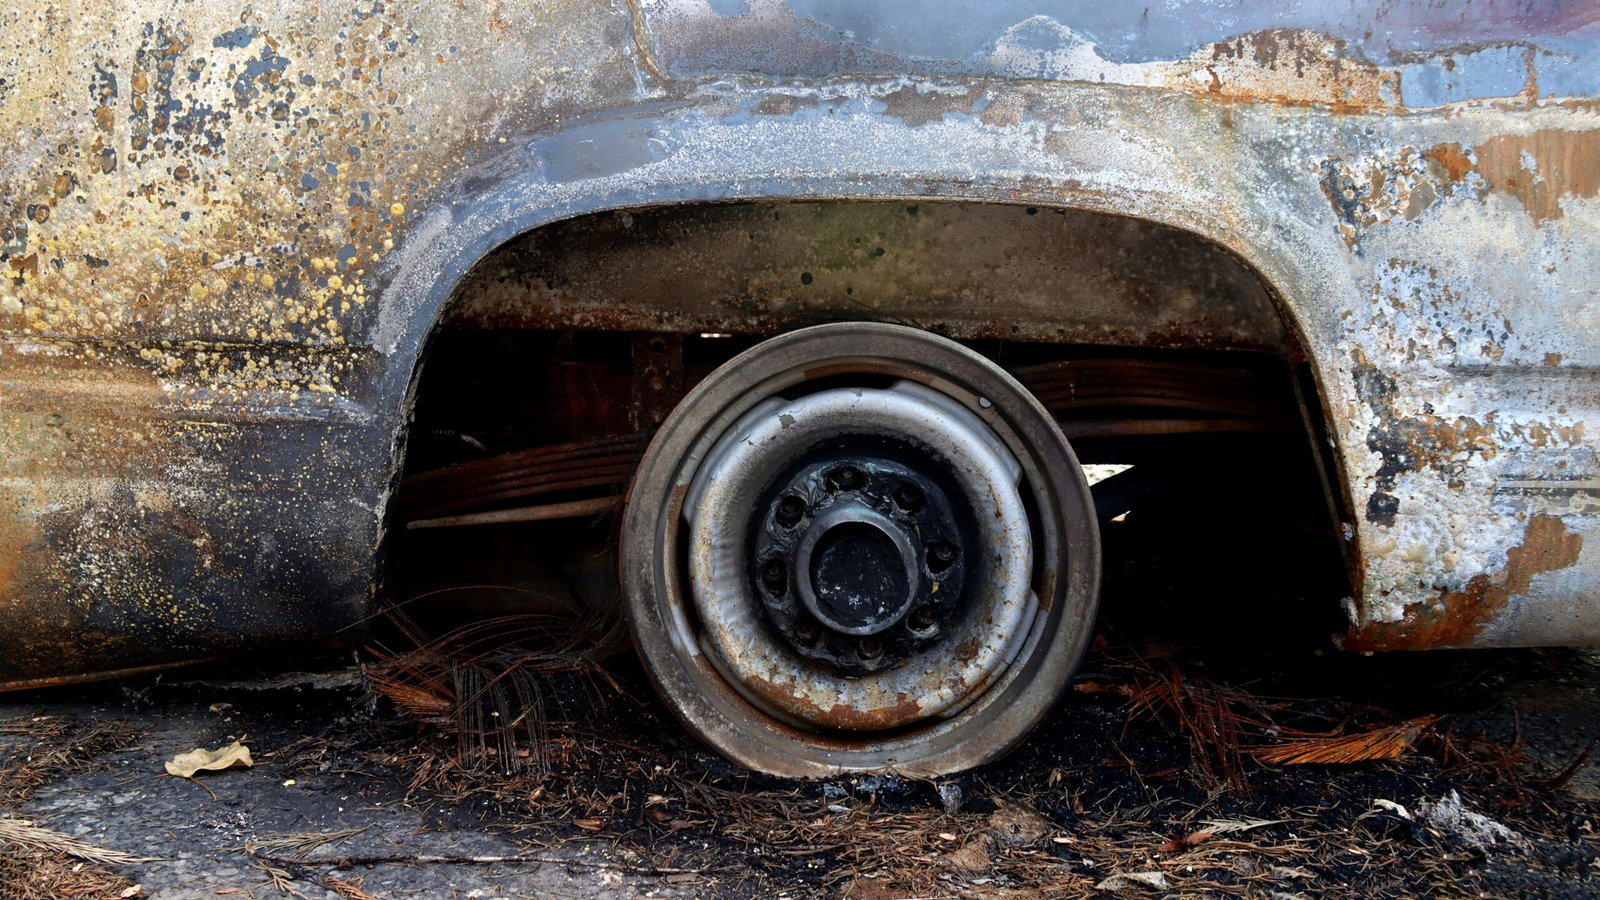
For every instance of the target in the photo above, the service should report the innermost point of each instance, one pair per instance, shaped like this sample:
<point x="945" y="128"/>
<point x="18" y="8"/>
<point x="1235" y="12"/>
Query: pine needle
<point x="488" y="682"/>
<point x="1388" y="742"/>
<point x="25" y="834"/>
<point x="303" y="842"/>
<point x="349" y="889"/>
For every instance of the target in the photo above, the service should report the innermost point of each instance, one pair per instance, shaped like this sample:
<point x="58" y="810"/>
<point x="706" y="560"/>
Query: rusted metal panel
<point x="226" y="235"/>
<point x="197" y="437"/>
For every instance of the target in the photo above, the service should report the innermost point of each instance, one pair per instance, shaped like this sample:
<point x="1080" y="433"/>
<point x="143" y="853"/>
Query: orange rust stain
<point x="712" y="681"/>
<point x="1566" y="164"/>
<point x="1452" y="161"/>
<point x="1292" y="67"/>
<point x="1446" y="438"/>
<point x="26" y="265"/>
<point x="967" y="651"/>
<point x="846" y="718"/>
<point x="1459" y="616"/>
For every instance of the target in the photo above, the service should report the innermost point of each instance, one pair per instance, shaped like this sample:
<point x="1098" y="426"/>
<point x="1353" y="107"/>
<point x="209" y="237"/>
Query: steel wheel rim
<point x="661" y="608"/>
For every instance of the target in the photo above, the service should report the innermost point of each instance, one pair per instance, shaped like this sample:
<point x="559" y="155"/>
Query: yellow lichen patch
<point x="237" y="166"/>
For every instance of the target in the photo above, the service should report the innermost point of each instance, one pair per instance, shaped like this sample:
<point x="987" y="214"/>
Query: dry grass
<point x="54" y="749"/>
<point x="594" y="787"/>
<point x="38" y="875"/>
<point x="487" y="683"/>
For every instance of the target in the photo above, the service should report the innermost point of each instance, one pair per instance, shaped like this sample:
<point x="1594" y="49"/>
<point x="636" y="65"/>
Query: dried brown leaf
<point x="185" y="765"/>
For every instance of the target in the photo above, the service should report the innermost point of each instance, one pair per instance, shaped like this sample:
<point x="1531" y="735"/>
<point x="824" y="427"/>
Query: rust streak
<point x="1453" y="162"/>
<point x="840" y="716"/>
<point x="1457" y="618"/>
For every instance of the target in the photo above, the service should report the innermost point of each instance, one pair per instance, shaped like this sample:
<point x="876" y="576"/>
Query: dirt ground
<point x="1212" y="745"/>
<point x="1114" y="795"/>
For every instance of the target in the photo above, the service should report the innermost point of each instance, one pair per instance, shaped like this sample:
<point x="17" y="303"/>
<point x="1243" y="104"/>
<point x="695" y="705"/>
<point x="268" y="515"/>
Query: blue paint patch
<point x="1481" y="75"/>
<point x="1566" y="75"/>
<point x="346" y="253"/>
<point x="263" y="73"/>
<point x="598" y="150"/>
<point x="102" y="86"/>
<point x="309" y="183"/>
<point x="239" y="37"/>
<point x="942" y="37"/>
<point x="200" y="122"/>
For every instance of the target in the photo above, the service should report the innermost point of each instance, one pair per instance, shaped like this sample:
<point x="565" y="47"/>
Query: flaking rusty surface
<point x="1457" y="618"/>
<point x="195" y="202"/>
<point x="226" y="235"/>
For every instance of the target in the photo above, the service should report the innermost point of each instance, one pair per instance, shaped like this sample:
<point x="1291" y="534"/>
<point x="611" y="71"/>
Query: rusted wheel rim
<point x="725" y="639"/>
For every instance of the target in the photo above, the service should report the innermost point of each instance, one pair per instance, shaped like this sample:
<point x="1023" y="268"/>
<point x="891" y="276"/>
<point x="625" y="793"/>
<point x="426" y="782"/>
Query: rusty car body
<point x="231" y="233"/>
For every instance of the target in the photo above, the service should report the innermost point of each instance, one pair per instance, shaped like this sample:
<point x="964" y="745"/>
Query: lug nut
<point x="923" y="618"/>
<point x="908" y="497"/>
<point x="774" y="577"/>
<point x="790" y="510"/>
<point x="871" y="649"/>
<point x="940" y="556"/>
<point x="846" y="478"/>
<point x="805" y="631"/>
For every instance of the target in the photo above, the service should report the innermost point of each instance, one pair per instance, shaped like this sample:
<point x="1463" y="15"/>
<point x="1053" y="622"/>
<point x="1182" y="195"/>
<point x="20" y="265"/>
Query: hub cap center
<point x="858" y="570"/>
<point x="859" y="554"/>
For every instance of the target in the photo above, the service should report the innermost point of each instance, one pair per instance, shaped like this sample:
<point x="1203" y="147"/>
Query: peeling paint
<point x="1543" y="168"/>
<point x="1456" y="617"/>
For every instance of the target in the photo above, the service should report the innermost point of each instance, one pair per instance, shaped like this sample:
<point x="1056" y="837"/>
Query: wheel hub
<point x="833" y="461"/>
<point x="856" y="570"/>
<point x="859" y="560"/>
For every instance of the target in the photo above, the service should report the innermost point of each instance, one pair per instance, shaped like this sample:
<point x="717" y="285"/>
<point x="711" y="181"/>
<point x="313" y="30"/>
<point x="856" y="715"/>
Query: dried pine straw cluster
<point x="1197" y="823"/>
<point x="1226" y="726"/>
<point x="844" y="841"/>
<point x="48" y="748"/>
<point x="494" y="683"/>
<point x="36" y="862"/>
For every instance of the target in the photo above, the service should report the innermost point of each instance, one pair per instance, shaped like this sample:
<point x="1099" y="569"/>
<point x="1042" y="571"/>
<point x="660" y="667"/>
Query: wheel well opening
<point x="1166" y="359"/>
